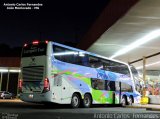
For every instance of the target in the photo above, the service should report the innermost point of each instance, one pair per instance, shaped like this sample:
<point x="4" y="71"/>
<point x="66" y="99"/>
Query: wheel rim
<point x="123" y="102"/>
<point x="75" y="101"/>
<point x="87" y="101"/>
<point x="130" y="101"/>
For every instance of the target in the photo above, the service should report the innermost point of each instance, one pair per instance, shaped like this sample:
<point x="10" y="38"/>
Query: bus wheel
<point x="75" y="101"/>
<point x="124" y="101"/>
<point x="87" y="101"/>
<point x="130" y="101"/>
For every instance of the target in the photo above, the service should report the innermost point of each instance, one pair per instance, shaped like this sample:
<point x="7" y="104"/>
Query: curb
<point x="136" y="107"/>
<point x="8" y="100"/>
<point x="153" y="109"/>
<point x="147" y="108"/>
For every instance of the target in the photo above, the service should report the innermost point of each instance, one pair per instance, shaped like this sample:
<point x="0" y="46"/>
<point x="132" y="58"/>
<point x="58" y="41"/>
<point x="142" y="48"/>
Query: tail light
<point x="20" y="85"/>
<point x="46" y="85"/>
<point x="46" y="41"/>
<point x="25" y="45"/>
<point x="36" y="42"/>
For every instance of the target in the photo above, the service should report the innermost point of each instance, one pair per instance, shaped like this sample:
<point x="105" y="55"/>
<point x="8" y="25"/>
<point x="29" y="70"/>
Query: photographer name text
<point x="22" y="6"/>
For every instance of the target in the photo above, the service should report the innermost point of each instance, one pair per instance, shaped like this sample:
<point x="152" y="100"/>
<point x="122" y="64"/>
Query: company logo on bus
<point x="33" y="62"/>
<point x="33" y="59"/>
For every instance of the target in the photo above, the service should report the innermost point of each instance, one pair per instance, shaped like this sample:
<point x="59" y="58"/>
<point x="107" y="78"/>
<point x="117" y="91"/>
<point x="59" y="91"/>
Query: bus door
<point x="117" y="92"/>
<point x="111" y="86"/>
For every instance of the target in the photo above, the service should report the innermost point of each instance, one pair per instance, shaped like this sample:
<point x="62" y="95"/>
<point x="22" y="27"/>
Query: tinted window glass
<point x="95" y="62"/>
<point x="134" y="71"/>
<point x="126" y="88"/>
<point x="75" y="57"/>
<point x="123" y="69"/>
<point x="34" y="50"/>
<point x="99" y="84"/>
<point x="115" y="67"/>
<point x="107" y="65"/>
<point x="85" y="60"/>
<point x="65" y="54"/>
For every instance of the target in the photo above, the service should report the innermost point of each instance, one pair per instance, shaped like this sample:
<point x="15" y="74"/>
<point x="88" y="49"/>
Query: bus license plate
<point x="30" y="96"/>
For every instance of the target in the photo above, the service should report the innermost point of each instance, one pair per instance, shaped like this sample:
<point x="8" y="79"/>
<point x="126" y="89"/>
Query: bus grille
<point x="33" y="73"/>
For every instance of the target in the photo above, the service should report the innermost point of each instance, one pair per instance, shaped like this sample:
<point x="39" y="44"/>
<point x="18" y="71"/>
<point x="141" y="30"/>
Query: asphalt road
<point x="21" y="110"/>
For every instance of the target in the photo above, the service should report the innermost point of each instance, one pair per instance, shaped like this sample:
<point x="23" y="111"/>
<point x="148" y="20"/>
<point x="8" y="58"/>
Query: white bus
<point x="52" y="72"/>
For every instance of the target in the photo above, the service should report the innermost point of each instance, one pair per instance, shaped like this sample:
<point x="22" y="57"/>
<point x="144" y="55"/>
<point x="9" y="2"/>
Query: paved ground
<point x="16" y="109"/>
<point x="155" y="107"/>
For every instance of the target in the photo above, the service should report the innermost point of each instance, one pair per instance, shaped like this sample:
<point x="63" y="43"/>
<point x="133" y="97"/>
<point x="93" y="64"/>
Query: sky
<point x="56" y="20"/>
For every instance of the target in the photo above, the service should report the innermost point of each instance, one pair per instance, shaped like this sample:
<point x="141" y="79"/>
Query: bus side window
<point x="57" y="50"/>
<point x="110" y="85"/>
<point x="95" y="62"/>
<point x="66" y="55"/>
<point x="98" y="84"/>
<point x="85" y="60"/>
<point x="107" y="85"/>
<point x="126" y="87"/>
<point x="106" y="65"/>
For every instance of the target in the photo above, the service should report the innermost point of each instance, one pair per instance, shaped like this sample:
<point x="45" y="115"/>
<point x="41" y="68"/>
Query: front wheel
<point x="87" y="101"/>
<point x="75" y="101"/>
<point x="124" y="101"/>
<point x="130" y="101"/>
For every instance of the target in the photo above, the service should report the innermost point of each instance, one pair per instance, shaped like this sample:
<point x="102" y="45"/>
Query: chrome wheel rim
<point x="130" y="101"/>
<point x="87" y="101"/>
<point x="75" y="101"/>
<point x="123" y="102"/>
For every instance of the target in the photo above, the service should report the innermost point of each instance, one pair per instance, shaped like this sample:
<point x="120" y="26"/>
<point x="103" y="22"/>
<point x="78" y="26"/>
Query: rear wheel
<point x="75" y="101"/>
<point x="87" y="101"/>
<point x="124" y="101"/>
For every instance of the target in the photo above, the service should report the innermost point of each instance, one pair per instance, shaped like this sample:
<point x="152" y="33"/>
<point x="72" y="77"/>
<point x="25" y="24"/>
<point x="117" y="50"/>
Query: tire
<point x="87" y="101"/>
<point x="130" y="101"/>
<point x="75" y="101"/>
<point x="124" y="101"/>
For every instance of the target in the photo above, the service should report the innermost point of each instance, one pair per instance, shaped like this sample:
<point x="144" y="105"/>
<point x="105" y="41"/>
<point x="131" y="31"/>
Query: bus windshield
<point x="34" y="50"/>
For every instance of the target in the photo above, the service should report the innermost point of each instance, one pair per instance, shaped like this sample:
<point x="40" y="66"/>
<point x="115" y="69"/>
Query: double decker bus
<point x="52" y="72"/>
